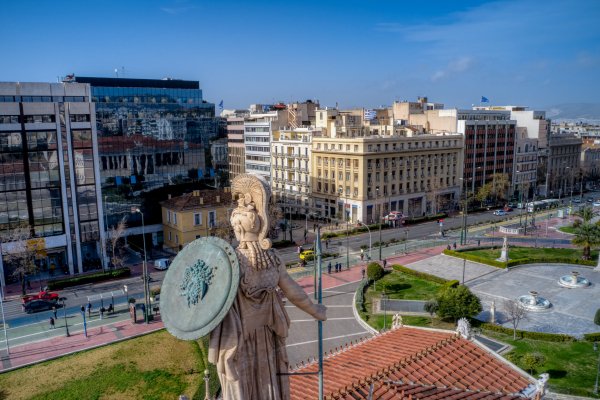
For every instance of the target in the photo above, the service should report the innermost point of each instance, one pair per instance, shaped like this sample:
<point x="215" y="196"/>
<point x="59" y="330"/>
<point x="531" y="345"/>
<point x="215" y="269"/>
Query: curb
<point x="79" y="351"/>
<point x="358" y="319"/>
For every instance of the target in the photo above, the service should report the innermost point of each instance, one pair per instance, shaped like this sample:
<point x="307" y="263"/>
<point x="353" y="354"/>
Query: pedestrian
<point x="478" y="242"/>
<point x="54" y="310"/>
<point x="89" y="308"/>
<point x="449" y="248"/>
<point x="336" y="267"/>
<point x="102" y="310"/>
<point x="52" y="323"/>
<point x="83" y="310"/>
<point x="298" y="249"/>
<point x="384" y="263"/>
<point x="329" y="268"/>
<point x="326" y="244"/>
<point x="144" y="310"/>
<point x="454" y="245"/>
<point x="110" y="309"/>
<point x="362" y="256"/>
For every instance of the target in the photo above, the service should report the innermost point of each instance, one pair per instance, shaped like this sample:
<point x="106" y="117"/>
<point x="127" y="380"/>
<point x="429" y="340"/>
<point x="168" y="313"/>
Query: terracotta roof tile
<point x="190" y="202"/>
<point x="410" y="356"/>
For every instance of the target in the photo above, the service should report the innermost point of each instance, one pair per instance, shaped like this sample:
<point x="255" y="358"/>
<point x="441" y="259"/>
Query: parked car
<point x="393" y="216"/>
<point x="575" y="200"/>
<point x="507" y="208"/>
<point x="500" y="212"/>
<point x="306" y="253"/>
<point x="590" y="199"/>
<point x="597" y="203"/>
<point x="53" y="297"/>
<point x="38" y="305"/>
<point x="512" y="205"/>
<point x="162" y="264"/>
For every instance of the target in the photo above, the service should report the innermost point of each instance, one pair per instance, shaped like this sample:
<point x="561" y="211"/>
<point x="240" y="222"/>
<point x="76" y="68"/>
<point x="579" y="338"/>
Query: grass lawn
<point x="523" y="252"/>
<point x="152" y="367"/>
<point x="569" y="364"/>
<point x="567" y="229"/>
<point x="402" y="287"/>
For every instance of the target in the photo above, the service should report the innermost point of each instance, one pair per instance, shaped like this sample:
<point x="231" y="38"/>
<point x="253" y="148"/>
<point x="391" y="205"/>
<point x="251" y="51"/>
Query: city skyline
<point x="525" y="53"/>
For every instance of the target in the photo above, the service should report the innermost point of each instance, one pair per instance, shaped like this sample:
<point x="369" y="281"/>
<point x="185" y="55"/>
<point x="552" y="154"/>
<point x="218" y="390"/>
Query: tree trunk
<point x="586" y="253"/>
<point x="515" y="333"/>
<point x="23" y="292"/>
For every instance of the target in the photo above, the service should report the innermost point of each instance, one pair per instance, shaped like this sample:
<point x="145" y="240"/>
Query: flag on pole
<point x="484" y="100"/>
<point x="370" y="114"/>
<point x="221" y="105"/>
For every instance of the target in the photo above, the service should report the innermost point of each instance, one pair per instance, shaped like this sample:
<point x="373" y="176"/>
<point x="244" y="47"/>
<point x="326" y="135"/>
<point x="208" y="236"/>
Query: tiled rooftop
<point x="410" y="356"/>
<point x="190" y="202"/>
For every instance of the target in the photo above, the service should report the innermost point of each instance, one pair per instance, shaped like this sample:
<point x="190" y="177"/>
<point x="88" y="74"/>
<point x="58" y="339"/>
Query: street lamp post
<point x="65" y="314"/>
<point x="384" y="300"/>
<point x="4" y="322"/>
<point x="145" y="269"/>
<point x="597" y="370"/>
<point x="379" y="222"/>
<point x="84" y="324"/>
<point x="366" y="226"/>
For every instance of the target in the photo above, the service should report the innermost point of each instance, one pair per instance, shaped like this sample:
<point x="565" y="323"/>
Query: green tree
<point x="597" y="317"/>
<point x="586" y="236"/>
<point x="534" y="360"/>
<point x="374" y="272"/>
<point x="431" y="307"/>
<point x="587" y="214"/>
<point x="458" y="303"/>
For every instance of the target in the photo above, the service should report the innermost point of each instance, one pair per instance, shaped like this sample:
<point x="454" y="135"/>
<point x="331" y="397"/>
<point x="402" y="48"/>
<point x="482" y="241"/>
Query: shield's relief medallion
<point x="195" y="282"/>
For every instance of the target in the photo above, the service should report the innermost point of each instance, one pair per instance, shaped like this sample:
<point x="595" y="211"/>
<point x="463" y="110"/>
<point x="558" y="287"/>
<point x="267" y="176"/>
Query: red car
<point x="507" y="209"/>
<point x="42" y="296"/>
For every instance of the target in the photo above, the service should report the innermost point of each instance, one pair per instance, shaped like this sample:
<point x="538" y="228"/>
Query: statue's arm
<point x="298" y="296"/>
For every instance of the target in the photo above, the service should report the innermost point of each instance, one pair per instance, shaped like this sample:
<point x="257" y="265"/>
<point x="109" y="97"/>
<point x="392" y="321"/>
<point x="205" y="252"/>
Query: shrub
<point x="393" y="240"/>
<point x="57" y="284"/>
<point x="576" y="223"/>
<point x="374" y="271"/>
<point x="547" y="337"/>
<point x="597" y="317"/>
<point x="518" y="261"/>
<point x="360" y="294"/>
<point x="592" y="337"/>
<point x="283" y="243"/>
<point x="427" y="218"/>
<point x="449" y="284"/>
<point x="459" y="303"/>
<point x="329" y="235"/>
<point x="534" y="360"/>
<point x="131" y="300"/>
<point x="364" y="247"/>
<point x="154" y="290"/>
<point x="377" y="244"/>
<point x="422" y="275"/>
<point x="513" y="358"/>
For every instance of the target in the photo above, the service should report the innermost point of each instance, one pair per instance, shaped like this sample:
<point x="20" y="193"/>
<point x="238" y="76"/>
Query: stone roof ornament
<point x="397" y="321"/>
<point x="463" y="328"/>
<point x="541" y="384"/>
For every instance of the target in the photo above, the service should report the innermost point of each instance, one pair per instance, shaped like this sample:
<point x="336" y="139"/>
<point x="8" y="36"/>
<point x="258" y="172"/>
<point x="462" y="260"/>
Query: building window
<point x="176" y="238"/>
<point x="198" y="236"/>
<point x="175" y="218"/>
<point x="170" y="239"/>
<point x="212" y="219"/>
<point x="168" y="215"/>
<point x="197" y="219"/>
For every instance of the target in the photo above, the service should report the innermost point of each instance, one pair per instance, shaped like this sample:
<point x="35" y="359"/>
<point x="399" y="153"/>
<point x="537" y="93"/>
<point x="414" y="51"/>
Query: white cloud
<point x="454" y="67"/>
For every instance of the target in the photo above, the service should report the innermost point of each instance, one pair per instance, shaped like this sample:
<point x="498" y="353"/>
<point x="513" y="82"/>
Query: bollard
<point x="206" y="383"/>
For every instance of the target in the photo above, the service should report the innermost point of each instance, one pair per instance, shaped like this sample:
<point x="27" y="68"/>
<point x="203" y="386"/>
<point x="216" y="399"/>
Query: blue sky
<point x="358" y="54"/>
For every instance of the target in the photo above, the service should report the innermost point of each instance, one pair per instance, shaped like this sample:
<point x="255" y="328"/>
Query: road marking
<point x="314" y="320"/>
<point x="2" y="326"/>
<point x="331" y="338"/>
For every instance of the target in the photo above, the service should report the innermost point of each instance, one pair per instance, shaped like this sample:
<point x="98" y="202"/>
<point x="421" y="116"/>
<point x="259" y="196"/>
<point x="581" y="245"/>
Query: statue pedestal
<point x="503" y="256"/>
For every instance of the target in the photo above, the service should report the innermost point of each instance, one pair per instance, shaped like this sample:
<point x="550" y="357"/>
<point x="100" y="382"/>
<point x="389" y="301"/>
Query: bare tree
<point x="20" y="251"/>
<point x="275" y="215"/>
<point x="516" y="312"/>
<point x="116" y="245"/>
<point x="434" y="192"/>
<point x="414" y="209"/>
<point x="224" y="231"/>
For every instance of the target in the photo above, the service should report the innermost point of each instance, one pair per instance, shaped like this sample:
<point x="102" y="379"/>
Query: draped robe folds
<point x="248" y="346"/>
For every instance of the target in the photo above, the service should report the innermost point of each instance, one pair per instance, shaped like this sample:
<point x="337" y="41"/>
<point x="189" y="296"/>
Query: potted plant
<point x="155" y="293"/>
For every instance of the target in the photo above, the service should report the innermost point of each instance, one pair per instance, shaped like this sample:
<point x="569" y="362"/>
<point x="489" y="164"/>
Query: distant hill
<point x="572" y="112"/>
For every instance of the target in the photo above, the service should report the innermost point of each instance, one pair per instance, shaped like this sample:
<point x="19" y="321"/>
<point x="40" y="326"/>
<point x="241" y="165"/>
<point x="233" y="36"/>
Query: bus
<point x="539" y="205"/>
<point x="550" y="203"/>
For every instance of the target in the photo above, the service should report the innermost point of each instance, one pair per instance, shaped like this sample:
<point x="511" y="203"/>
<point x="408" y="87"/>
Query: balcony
<point x="378" y="166"/>
<point x="393" y="192"/>
<point x="400" y="191"/>
<point x="409" y="190"/>
<point x="370" y="183"/>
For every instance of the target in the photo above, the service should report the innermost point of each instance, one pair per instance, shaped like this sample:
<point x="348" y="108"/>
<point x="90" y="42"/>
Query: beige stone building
<point x="590" y="161"/>
<point x="235" y="143"/>
<point x="525" y="172"/>
<point x="564" y="162"/>
<point x="367" y="175"/>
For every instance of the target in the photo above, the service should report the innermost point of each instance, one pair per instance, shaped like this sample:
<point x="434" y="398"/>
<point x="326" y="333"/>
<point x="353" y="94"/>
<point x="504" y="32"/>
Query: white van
<point x="162" y="264"/>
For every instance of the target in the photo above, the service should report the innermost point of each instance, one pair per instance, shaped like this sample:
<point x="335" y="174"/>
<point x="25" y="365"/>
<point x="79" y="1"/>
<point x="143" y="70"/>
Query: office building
<point x="152" y="134"/>
<point x="49" y="176"/>
<point x="564" y="162"/>
<point x="236" y="147"/>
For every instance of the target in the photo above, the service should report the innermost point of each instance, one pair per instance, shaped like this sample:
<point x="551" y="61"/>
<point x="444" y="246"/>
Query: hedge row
<point x="427" y="218"/>
<point x="90" y="278"/>
<point x="547" y="337"/>
<point x="572" y="391"/>
<point x="323" y="256"/>
<point x="464" y="249"/>
<point x="418" y="274"/>
<point x="592" y="337"/>
<point x="360" y="294"/>
<point x="359" y="229"/>
<point x="283" y="243"/>
<point x="517" y="261"/>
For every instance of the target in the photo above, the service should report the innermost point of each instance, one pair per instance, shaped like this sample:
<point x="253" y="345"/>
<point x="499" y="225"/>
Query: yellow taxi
<point x="306" y="253"/>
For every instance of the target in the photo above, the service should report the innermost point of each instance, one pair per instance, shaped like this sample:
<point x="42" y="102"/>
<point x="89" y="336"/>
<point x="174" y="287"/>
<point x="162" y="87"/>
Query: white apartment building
<point x="290" y="154"/>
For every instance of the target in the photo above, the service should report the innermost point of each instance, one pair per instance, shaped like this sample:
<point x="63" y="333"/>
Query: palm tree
<point x="586" y="236"/>
<point x="587" y="214"/>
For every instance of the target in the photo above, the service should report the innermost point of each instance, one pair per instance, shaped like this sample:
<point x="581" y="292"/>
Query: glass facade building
<point x="152" y="134"/>
<point x="49" y="177"/>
